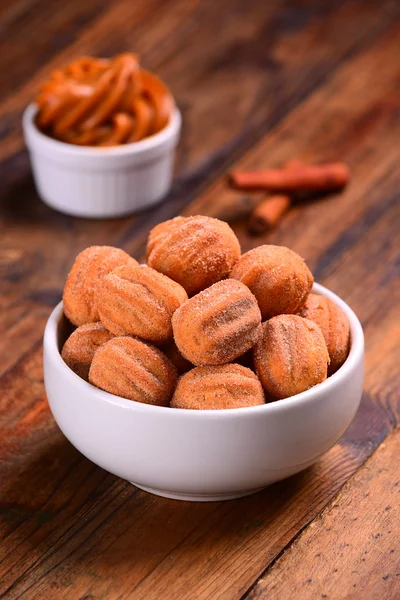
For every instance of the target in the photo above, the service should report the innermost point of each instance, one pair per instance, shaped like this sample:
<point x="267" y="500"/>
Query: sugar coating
<point x="132" y="369"/>
<point x="137" y="300"/>
<point x="218" y="387"/>
<point x="217" y="325"/>
<point x="291" y="356"/>
<point x="89" y="267"/>
<point x="277" y="276"/>
<point x="80" y="347"/>
<point x="334" y="325"/>
<point x="194" y="251"/>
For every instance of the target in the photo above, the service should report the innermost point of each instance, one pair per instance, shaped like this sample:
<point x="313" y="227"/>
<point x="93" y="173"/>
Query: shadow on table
<point x="57" y="503"/>
<point x="155" y="529"/>
<point x="20" y="203"/>
<point x="46" y="482"/>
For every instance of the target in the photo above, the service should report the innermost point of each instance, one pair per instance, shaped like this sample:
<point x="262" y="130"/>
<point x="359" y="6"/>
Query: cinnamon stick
<point x="320" y="178"/>
<point x="268" y="213"/>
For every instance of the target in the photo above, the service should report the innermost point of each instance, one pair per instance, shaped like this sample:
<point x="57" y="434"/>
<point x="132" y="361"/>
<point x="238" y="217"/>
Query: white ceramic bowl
<point x="101" y="182"/>
<point x="209" y="454"/>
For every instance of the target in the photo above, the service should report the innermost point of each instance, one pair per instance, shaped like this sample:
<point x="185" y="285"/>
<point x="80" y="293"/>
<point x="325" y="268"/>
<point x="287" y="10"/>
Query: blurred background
<point x="235" y="68"/>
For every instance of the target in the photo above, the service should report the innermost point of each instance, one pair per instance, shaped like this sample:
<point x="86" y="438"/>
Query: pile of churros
<point x="201" y="326"/>
<point x="103" y="102"/>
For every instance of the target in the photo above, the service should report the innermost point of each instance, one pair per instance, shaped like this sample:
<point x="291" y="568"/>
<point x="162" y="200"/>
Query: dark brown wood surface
<point x="364" y="560"/>
<point x="258" y="83"/>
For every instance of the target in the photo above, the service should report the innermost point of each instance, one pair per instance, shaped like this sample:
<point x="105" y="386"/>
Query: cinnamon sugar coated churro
<point x="202" y="304"/>
<point x="224" y="386"/>
<point x="334" y="325"/>
<point x="89" y="267"/>
<point x="278" y="277"/>
<point x="291" y="356"/>
<point x="80" y="347"/>
<point x="103" y="102"/>
<point x="135" y="370"/>
<point x="194" y="251"/>
<point x="137" y="300"/>
<point x="218" y="324"/>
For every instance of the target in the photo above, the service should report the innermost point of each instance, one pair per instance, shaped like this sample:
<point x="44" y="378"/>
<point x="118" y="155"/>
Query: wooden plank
<point x="352" y="550"/>
<point x="37" y="29"/>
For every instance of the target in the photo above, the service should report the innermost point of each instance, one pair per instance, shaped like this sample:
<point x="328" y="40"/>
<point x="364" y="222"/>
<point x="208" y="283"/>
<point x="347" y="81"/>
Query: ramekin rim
<point x="148" y="143"/>
<point x="355" y="354"/>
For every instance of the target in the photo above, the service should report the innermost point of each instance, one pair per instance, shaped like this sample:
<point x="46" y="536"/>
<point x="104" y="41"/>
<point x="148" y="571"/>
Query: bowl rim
<point x="329" y="385"/>
<point x="148" y="143"/>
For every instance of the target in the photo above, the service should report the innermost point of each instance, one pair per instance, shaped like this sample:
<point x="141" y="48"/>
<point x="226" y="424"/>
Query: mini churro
<point x="278" y="277"/>
<point x="135" y="370"/>
<point x="218" y="387"/>
<point x="194" y="251"/>
<point x="137" y="300"/>
<point x="80" y="347"/>
<point x="334" y="325"/>
<point x="218" y="325"/>
<point x="89" y="267"/>
<point x="291" y="356"/>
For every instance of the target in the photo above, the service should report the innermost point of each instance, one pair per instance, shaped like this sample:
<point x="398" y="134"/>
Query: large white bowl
<point x="101" y="182"/>
<point x="209" y="454"/>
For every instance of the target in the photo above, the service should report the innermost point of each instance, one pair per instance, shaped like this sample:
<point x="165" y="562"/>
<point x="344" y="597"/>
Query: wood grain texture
<point x="278" y="80"/>
<point x="85" y="532"/>
<point x="351" y="550"/>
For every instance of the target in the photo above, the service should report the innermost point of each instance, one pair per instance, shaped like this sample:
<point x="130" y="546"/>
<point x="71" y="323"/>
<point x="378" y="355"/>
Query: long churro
<point x="103" y="102"/>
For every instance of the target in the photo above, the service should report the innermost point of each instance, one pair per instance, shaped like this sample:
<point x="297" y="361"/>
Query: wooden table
<point x="258" y="83"/>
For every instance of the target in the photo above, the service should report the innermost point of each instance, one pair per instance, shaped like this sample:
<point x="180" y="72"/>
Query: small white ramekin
<point x="93" y="182"/>
<point x="203" y="454"/>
